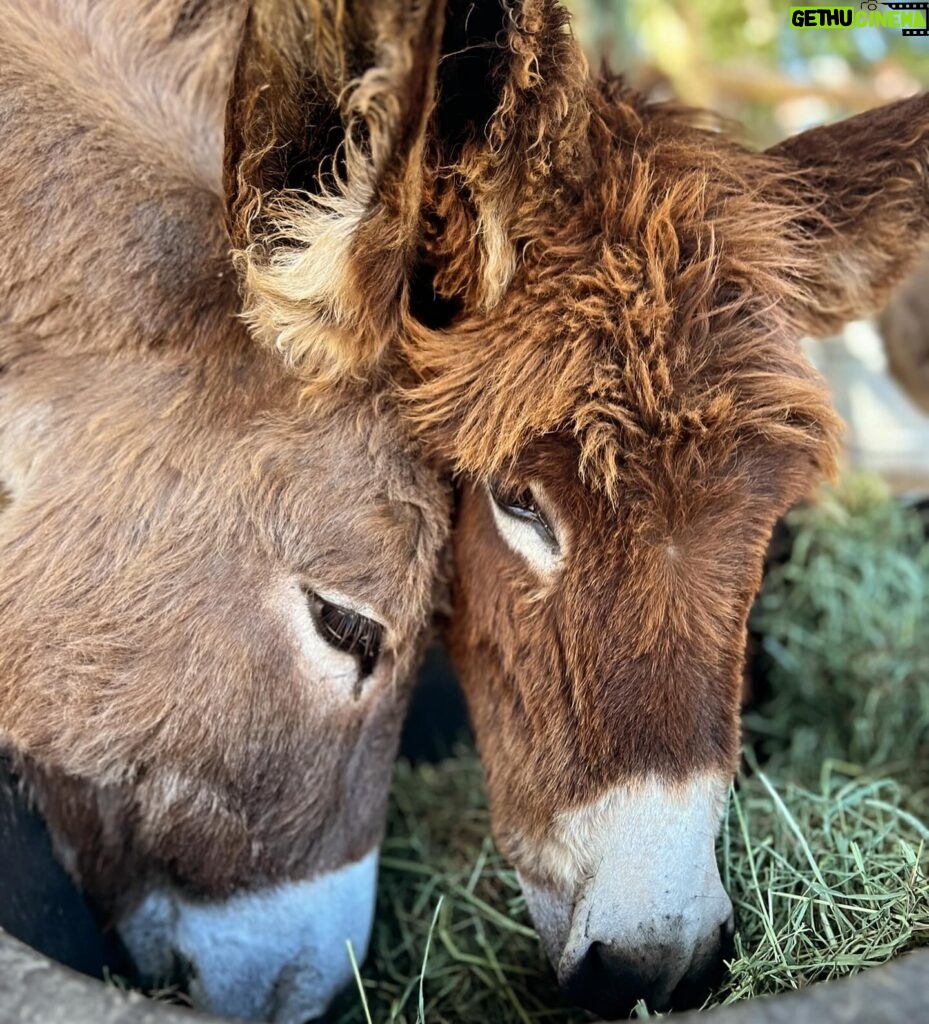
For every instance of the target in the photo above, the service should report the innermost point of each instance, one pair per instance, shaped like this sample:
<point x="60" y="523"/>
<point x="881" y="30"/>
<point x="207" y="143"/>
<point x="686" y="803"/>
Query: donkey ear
<point x="325" y="129"/>
<point x="861" y="191"/>
<point x="511" y="108"/>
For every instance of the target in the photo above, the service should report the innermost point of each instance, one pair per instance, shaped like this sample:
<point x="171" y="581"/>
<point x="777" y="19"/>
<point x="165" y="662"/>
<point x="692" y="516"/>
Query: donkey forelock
<point x="646" y="318"/>
<point x="573" y="197"/>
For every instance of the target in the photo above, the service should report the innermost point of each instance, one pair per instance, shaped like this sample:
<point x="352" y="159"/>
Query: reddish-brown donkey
<point x="600" y="302"/>
<point x="213" y="594"/>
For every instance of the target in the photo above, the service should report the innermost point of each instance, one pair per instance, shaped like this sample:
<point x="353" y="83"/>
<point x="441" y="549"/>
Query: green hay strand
<point x="845" y="635"/>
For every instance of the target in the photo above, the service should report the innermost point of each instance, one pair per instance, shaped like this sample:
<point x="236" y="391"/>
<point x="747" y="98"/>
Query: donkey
<point x="215" y="590"/>
<point x="600" y="301"/>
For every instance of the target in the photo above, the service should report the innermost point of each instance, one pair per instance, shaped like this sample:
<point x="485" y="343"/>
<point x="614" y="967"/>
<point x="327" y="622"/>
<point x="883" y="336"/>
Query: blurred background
<point x="743" y="59"/>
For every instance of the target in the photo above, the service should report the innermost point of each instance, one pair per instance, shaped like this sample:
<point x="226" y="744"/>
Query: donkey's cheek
<point x="277" y="954"/>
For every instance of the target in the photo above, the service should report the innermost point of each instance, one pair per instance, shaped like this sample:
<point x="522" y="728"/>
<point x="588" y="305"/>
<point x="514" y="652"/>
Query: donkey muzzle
<point x="610" y="980"/>
<point x="276" y="954"/>
<point x="632" y="906"/>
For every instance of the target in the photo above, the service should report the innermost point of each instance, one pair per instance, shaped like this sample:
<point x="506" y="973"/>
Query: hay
<point x="845" y="626"/>
<point x="825" y="882"/>
<point x="826" y="860"/>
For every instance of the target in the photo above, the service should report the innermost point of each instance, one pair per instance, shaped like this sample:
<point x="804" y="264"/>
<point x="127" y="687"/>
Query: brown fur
<point x="168" y="481"/>
<point x="607" y="300"/>
<point x="904" y="326"/>
<point x="649" y="333"/>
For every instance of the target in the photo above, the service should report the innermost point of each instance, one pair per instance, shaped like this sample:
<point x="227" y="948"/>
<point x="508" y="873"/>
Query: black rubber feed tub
<point x="36" y="990"/>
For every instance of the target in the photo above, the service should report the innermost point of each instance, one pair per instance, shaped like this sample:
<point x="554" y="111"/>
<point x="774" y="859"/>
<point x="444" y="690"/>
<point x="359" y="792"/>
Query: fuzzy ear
<point x="861" y="191"/>
<point x="325" y="129"/>
<point x="511" y="108"/>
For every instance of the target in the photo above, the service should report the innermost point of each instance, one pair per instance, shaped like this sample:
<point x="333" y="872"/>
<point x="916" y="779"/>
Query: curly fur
<point x="338" y="269"/>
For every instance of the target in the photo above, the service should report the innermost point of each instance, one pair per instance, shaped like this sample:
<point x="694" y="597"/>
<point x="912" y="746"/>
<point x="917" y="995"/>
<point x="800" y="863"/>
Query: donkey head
<point x="215" y="591"/>
<point x="601" y="308"/>
<point x="213" y="605"/>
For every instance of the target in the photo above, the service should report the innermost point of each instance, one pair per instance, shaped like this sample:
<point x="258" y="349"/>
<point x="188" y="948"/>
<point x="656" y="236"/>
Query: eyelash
<point x="348" y="631"/>
<point x="522" y="505"/>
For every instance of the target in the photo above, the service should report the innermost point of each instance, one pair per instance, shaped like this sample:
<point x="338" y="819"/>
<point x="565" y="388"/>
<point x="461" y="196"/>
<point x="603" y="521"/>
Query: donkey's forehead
<point x="689" y="399"/>
<point x="348" y="502"/>
<point x="645" y="311"/>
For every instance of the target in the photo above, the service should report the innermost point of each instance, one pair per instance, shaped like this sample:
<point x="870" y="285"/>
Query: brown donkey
<point x="213" y="594"/>
<point x="600" y="302"/>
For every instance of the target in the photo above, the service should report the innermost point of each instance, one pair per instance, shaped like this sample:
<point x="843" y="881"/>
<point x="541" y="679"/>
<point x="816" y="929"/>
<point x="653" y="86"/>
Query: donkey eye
<point x="522" y="505"/>
<point x="348" y="631"/>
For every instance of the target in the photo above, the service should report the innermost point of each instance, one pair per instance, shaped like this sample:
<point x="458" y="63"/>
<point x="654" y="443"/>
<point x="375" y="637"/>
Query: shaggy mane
<point x="524" y="249"/>
<point x="650" y="313"/>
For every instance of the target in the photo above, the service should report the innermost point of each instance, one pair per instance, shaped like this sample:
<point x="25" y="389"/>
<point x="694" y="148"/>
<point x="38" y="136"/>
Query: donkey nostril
<point x="706" y="970"/>
<point x="183" y="970"/>
<point x="727" y="939"/>
<point x="608" y="983"/>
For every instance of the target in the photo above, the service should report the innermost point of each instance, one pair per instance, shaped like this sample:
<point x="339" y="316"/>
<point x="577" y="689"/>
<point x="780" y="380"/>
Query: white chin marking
<point x="636" y="865"/>
<point x="276" y="954"/>
<point x="523" y="539"/>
